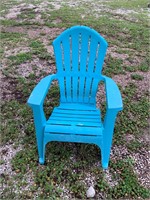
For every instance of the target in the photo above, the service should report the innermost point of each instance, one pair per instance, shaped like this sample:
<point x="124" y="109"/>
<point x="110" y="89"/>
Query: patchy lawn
<point x="27" y="31"/>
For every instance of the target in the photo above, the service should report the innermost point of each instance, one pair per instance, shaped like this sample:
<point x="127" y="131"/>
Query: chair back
<point x="79" y="53"/>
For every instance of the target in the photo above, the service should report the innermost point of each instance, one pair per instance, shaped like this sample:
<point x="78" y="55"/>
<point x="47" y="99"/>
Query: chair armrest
<point x="39" y="92"/>
<point x="113" y="95"/>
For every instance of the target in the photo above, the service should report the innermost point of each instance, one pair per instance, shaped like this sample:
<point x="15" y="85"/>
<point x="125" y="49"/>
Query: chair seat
<point x="75" y="121"/>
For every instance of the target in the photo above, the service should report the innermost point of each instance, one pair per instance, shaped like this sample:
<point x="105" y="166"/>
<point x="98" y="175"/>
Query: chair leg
<point x="109" y="124"/>
<point x="105" y="153"/>
<point x="42" y="156"/>
<point x="39" y="121"/>
<point x="40" y="146"/>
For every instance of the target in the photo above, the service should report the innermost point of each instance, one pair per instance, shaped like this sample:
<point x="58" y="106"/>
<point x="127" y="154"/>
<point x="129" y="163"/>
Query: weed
<point x="131" y="68"/>
<point x="113" y="66"/>
<point x="39" y="49"/>
<point x="137" y="77"/>
<point x="128" y="186"/>
<point x="144" y="66"/>
<point x="27" y="15"/>
<point x="128" y="4"/>
<point x="133" y="117"/>
<point x="2" y="162"/>
<point x="134" y="146"/>
<point x="11" y="36"/>
<point x="8" y="22"/>
<point x="20" y="58"/>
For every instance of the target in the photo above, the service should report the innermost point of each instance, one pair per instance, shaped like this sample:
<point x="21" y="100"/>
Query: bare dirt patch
<point x="7" y="153"/>
<point x="142" y="167"/>
<point x="124" y="80"/>
<point x="14" y="29"/>
<point x="15" y="51"/>
<point x="7" y="88"/>
<point x="16" y="10"/>
<point x="10" y="92"/>
<point x="34" y="31"/>
<point x="35" y="66"/>
<point x="127" y="60"/>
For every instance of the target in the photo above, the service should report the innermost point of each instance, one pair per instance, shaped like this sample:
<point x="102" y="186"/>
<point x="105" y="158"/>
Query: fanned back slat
<point x="92" y="55"/>
<point x="100" y="57"/>
<point x="79" y="53"/>
<point x="59" y="64"/>
<point x="75" y="55"/>
<point x="84" y="51"/>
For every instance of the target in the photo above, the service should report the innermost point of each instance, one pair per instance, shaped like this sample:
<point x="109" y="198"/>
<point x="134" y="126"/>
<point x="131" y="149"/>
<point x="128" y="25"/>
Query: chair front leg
<point x="39" y="121"/>
<point x="109" y="123"/>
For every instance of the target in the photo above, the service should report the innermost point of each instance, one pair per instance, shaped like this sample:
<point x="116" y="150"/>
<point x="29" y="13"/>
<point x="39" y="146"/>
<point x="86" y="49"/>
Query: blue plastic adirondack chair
<point x="79" y="53"/>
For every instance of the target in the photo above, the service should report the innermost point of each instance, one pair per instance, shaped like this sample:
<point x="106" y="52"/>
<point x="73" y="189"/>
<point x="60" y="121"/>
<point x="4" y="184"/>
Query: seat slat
<point x="83" y="112"/>
<point x="73" y="130"/>
<point x="76" y="106"/>
<point x="70" y="123"/>
<point x="74" y="119"/>
<point x="86" y="116"/>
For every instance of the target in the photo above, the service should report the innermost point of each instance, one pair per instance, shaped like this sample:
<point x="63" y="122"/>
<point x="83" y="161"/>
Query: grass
<point x="39" y="49"/>
<point x="70" y="168"/>
<point x="128" y="186"/>
<point x="114" y="67"/>
<point x="124" y="4"/>
<point x="11" y="39"/>
<point x="20" y="58"/>
<point x="137" y="77"/>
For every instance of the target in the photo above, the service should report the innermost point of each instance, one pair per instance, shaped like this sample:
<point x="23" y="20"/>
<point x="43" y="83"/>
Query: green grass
<point x="20" y="58"/>
<point x="13" y="117"/>
<point x="125" y="4"/>
<point x="27" y="15"/>
<point x="134" y="115"/>
<point x="134" y="146"/>
<point x="113" y="66"/>
<point x="8" y="22"/>
<point x="128" y="186"/>
<point x="39" y="49"/>
<point x="137" y="77"/>
<point x="10" y="36"/>
<point x="12" y="40"/>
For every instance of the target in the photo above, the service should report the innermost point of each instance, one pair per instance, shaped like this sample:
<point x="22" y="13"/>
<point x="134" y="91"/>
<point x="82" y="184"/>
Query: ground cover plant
<point x="27" y="31"/>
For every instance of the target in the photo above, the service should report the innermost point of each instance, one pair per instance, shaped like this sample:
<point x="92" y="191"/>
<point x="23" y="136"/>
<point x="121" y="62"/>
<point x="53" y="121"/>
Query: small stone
<point x="90" y="192"/>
